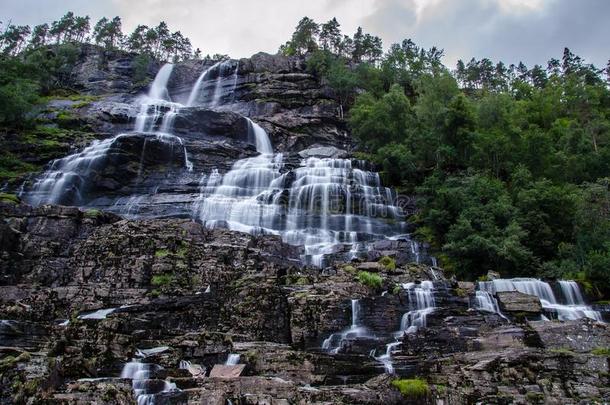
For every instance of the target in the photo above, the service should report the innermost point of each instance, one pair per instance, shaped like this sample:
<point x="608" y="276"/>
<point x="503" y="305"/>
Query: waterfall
<point x="321" y="205"/>
<point x="261" y="139"/>
<point x="213" y="97"/>
<point x="158" y="88"/>
<point x="232" y="359"/>
<point x="485" y="301"/>
<point x="423" y="298"/>
<point x="67" y="180"/>
<point x="574" y="306"/>
<point x="142" y="381"/>
<point x="334" y="342"/>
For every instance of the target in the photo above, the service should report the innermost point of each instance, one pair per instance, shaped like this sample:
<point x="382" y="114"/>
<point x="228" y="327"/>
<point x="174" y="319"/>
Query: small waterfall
<point x="158" y="88"/>
<point x="144" y="386"/>
<point x="334" y="342"/>
<point x="423" y="298"/>
<point x="232" y="359"/>
<point x="573" y="308"/>
<point x="485" y="301"/>
<point x="219" y="89"/>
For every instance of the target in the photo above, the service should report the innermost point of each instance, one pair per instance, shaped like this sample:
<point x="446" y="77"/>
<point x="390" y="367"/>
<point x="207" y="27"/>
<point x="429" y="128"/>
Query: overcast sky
<point x="509" y="30"/>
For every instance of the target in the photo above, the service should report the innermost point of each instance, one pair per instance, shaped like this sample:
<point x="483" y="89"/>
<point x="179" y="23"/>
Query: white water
<point x="423" y="298"/>
<point x="141" y="374"/>
<point x="321" y="205"/>
<point x="66" y="180"/>
<point x="232" y="359"/>
<point x="329" y="206"/>
<point x="150" y="352"/>
<point x="485" y="301"/>
<point x="99" y="314"/>
<point x="334" y="342"/>
<point x="573" y="307"/>
<point x="195" y="369"/>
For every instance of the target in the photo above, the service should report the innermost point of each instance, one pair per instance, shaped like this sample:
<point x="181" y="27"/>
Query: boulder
<point x="224" y="371"/>
<point x="515" y="301"/>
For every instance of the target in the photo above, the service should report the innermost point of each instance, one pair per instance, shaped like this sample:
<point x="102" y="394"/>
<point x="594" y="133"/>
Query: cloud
<point x="532" y="31"/>
<point x="509" y="30"/>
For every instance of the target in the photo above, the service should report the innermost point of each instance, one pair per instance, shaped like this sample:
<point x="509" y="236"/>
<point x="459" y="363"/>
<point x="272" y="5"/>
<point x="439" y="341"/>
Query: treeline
<point x="511" y="164"/>
<point x="159" y="41"/>
<point x="310" y="36"/>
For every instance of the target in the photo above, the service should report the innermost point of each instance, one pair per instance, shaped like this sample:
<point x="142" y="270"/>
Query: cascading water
<point x="145" y="387"/>
<point x="335" y="342"/>
<point x="485" y="301"/>
<point x="67" y="180"/>
<point x="232" y="359"/>
<point x="223" y="84"/>
<point x="321" y="205"/>
<point x="421" y="299"/>
<point x="329" y="206"/>
<point x="424" y="305"/>
<point x="573" y="308"/>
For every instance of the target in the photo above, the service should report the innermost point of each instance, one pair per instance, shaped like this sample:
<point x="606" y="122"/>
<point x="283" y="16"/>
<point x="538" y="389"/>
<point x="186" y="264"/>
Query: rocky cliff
<point x="127" y="296"/>
<point x="84" y="293"/>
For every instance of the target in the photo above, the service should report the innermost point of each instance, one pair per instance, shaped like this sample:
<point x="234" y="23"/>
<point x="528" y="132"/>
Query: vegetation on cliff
<point x="511" y="164"/>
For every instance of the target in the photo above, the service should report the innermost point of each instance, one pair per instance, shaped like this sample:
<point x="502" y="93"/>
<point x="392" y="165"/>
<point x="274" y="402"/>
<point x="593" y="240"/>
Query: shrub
<point x="412" y="388"/>
<point x="388" y="263"/>
<point x="370" y="279"/>
<point x="162" y="279"/>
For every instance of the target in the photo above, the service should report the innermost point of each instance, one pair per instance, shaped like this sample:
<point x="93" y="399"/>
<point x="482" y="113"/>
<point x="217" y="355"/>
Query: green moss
<point x="349" y="268"/>
<point x="396" y="289"/>
<point x="388" y="263"/>
<point x="12" y="166"/>
<point x="302" y="281"/>
<point x="10" y="362"/>
<point x="182" y="249"/>
<point x="412" y="388"/>
<point x="10" y="198"/>
<point x="563" y="351"/>
<point x="162" y="279"/>
<point x="92" y="213"/>
<point x="370" y="279"/>
<point x="483" y="278"/>
<point x="154" y="293"/>
<point x="535" y="397"/>
<point x="160" y="253"/>
<point x="460" y="292"/>
<point x="601" y="351"/>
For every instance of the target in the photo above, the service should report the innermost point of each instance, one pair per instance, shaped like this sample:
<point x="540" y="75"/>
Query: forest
<point x="510" y="164"/>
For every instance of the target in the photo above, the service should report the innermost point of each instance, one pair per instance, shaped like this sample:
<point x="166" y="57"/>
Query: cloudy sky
<point x="510" y="30"/>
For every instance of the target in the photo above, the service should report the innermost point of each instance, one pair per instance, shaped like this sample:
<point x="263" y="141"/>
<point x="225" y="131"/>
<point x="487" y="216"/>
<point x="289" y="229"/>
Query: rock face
<point x="93" y="304"/>
<point x="515" y="301"/>
<point x="83" y="293"/>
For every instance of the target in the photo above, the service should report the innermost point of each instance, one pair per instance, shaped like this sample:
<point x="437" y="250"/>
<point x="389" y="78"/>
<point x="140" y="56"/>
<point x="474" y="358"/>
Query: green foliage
<point x="141" y="64"/>
<point x="161" y="253"/>
<point x="388" y="263"/>
<point x="601" y="351"/>
<point x="370" y="280"/>
<point x="412" y="388"/>
<point x="161" y="280"/>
